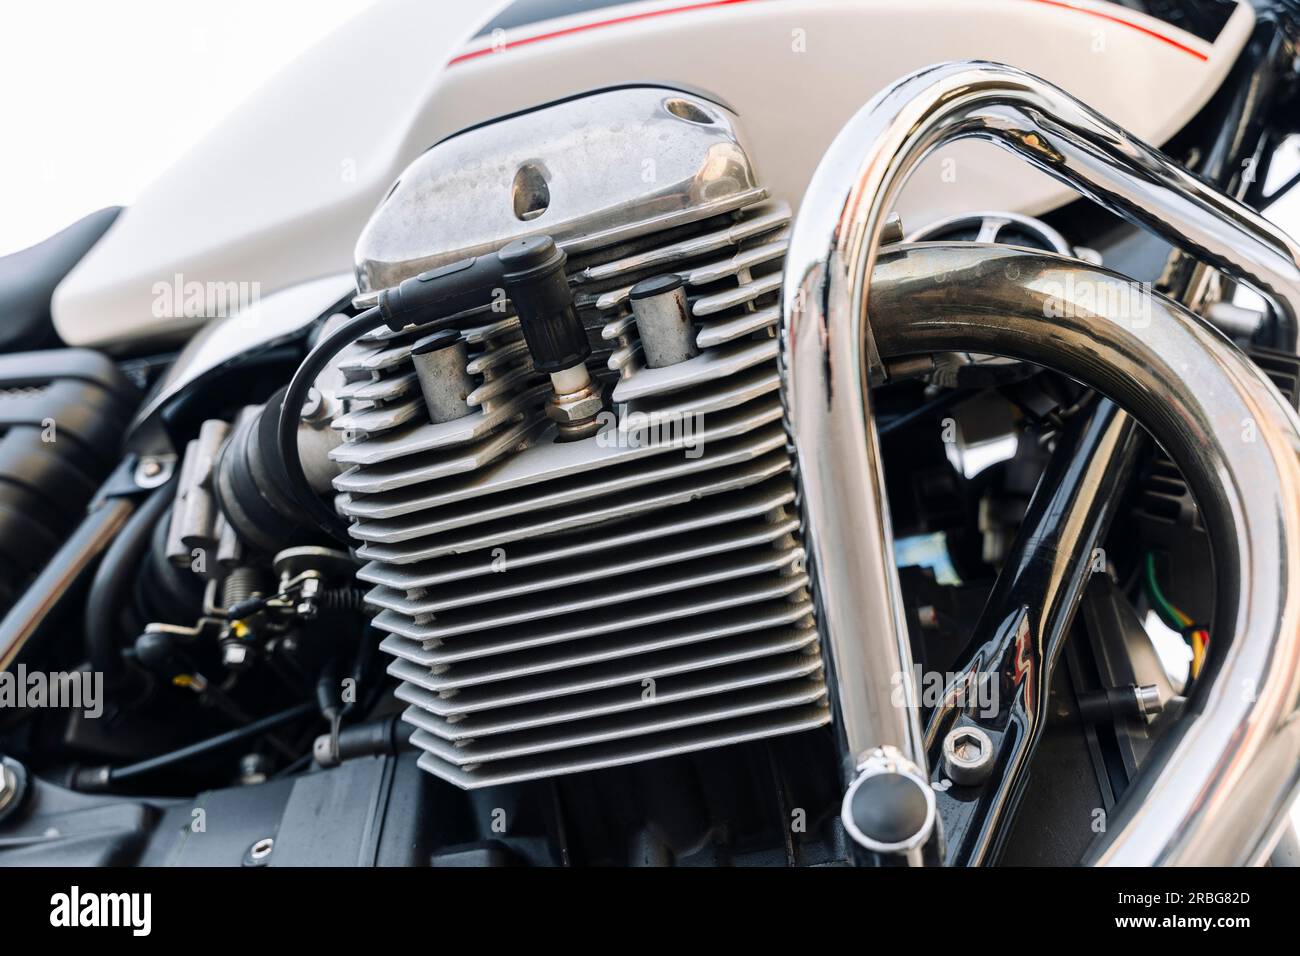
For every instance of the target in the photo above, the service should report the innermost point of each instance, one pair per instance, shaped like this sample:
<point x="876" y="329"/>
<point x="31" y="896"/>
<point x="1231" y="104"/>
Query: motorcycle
<point x="746" y="432"/>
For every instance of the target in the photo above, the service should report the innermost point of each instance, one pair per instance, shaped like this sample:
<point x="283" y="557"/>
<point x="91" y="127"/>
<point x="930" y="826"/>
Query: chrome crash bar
<point x="1225" y="774"/>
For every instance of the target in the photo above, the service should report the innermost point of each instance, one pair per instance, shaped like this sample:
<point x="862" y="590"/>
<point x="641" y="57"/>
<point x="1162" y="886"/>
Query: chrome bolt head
<point x="967" y="756"/>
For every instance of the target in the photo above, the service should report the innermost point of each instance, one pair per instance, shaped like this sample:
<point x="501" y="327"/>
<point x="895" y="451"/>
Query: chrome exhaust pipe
<point x="1239" y="744"/>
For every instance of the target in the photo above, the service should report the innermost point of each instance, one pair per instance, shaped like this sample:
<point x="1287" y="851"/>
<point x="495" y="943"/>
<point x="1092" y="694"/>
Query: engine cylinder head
<point x="557" y="602"/>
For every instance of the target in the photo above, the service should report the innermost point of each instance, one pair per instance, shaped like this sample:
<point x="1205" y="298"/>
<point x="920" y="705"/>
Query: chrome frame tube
<point x="1222" y="777"/>
<point x="828" y="355"/>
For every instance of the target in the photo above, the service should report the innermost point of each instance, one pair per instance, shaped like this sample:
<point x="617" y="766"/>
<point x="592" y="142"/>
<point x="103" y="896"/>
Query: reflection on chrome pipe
<point x="1223" y="776"/>
<point x="855" y="587"/>
<point x="828" y="354"/>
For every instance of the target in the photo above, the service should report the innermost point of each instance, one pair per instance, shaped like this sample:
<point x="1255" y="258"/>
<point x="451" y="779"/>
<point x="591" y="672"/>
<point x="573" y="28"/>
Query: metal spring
<point x="343" y="599"/>
<point x="241" y="584"/>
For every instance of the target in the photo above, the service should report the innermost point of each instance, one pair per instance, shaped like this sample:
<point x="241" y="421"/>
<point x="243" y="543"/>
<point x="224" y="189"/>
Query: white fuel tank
<point x="277" y="194"/>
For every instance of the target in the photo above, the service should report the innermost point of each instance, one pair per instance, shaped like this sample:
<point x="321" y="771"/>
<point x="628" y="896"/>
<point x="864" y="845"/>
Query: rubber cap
<point x="648" y="288"/>
<point x="533" y="269"/>
<point x="443" y="339"/>
<point x="889" y="808"/>
<point x="528" y="254"/>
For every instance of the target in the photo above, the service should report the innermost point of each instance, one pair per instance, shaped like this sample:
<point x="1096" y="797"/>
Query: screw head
<point x="967" y="755"/>
<point x="151" y="472"/>
<point x="13" y="786"/>
<point x="259" y="854"/>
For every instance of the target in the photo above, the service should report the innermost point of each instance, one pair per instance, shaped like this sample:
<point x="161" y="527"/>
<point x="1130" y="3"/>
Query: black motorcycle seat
<point x="28" y="279"/>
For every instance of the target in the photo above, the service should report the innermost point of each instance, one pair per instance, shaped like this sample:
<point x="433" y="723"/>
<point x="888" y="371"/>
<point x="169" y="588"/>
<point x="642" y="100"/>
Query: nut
<point x="13" y="786"/>
<point x="575" y="406"/>
<point x="8" y="786"/>
<point x="234" y="654"/>
<point x="317" y="408"/>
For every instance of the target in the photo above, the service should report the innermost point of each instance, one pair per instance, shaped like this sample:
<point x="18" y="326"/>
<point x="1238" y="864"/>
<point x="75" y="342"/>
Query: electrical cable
<point x="257" y="727"/>
<point x="1176" y="619"/>
<point x="295" y="397"/>
<point x="929" y="407"/>
<point x="531" y="271"/>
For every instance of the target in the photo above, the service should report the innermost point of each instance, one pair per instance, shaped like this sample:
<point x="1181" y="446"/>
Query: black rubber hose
<point x="291" y="410"/>
<point x="256" y="728"/>
<point x="163" y="591"/>
<point x="113" y="581"/>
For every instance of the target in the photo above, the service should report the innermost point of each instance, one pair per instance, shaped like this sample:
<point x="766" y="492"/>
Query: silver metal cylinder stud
<point x="440" y="361"/>
<point x="663" y="320"/>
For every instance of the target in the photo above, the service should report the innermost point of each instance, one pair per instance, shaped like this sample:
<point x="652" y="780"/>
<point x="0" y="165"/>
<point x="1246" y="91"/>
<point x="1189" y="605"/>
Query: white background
<point x="97" y="99"/>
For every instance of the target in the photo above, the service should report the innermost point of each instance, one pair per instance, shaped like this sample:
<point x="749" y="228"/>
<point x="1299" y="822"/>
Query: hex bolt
<point x="235" y="655"/>
<point x="967" y="755"/>
<point x="1148" y="702"/>
<point x="13" y="786"/>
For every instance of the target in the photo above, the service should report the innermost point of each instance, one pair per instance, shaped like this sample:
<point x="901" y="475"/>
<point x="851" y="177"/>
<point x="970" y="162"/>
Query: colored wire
<point x="1199" y="640"/>
<point x="1176" y="619"/>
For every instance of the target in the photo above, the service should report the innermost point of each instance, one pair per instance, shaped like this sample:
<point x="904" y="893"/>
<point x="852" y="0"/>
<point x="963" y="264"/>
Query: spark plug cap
<point x="539" y="289"/>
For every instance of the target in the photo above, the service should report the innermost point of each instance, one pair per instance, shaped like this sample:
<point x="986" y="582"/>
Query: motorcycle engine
<point x="512" y="566"/>
<point x="568" y="568"/>
<point x="569" y="583"/>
